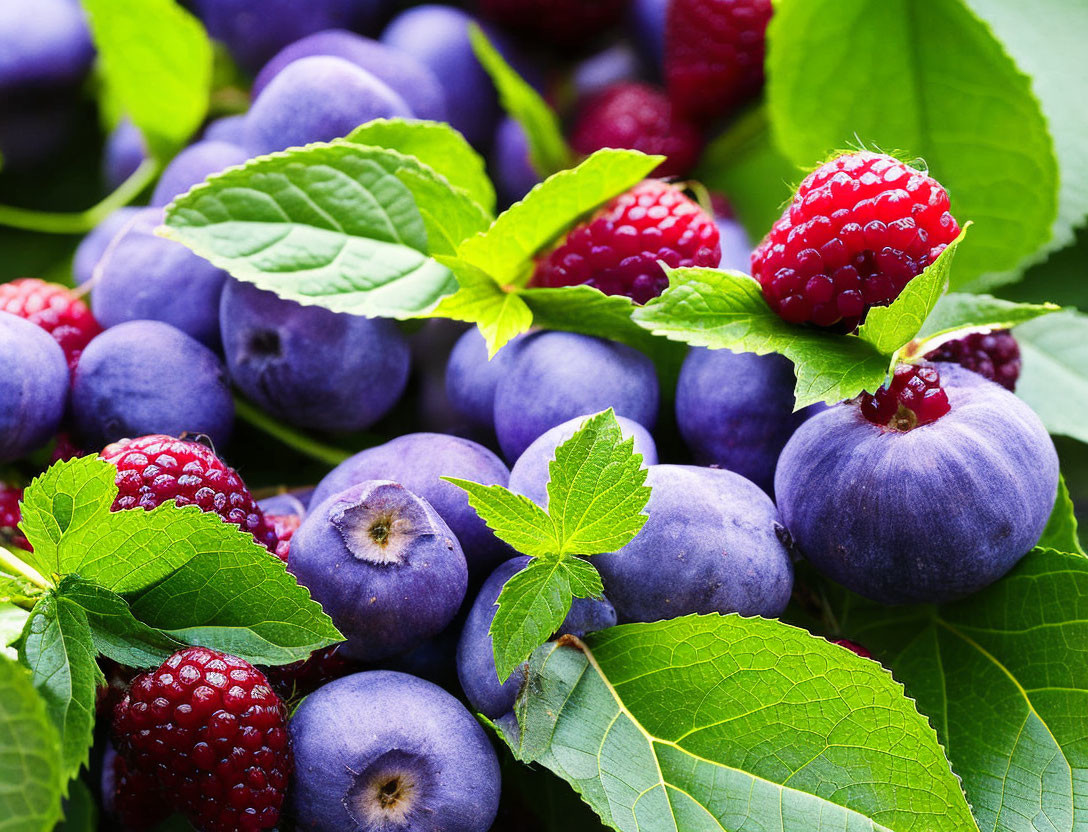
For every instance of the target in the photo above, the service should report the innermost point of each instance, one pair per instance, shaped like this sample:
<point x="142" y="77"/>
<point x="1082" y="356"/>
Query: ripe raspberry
<point x="993" y="355"/>
<point x="561" y="22"/>
<point x="714" y="54"/>
<point x="131" y="795"/>
<point x="854" y="647"/>
<point x="639" y="117"/>
<point x="285" y="526"/>
<point x="56" y="309"/>
<point x="860" y="227"/>
<point x="617" y="249"/>
<point x="65" y="449"/>
<point x="153" y="469"/>
<point x="211" y="732"/>
<point x="914" y="397"/>
<point x="10" y="517"/>
<point x="300" y="678"/>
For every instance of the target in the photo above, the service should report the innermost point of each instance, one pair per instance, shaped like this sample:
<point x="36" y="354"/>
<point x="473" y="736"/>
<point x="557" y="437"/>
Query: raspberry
<point x="639" y="117"/>
<point x="854" y="647"/>
<point x="10" y="517"/>
<point x="156" y="468"/>
<point x="714" y="54"/>
<point x="561" y="22"/>
<point x="132" y="795"/>
<point x="993" y="355"/>
<point x="285" y="526"/>
<point x="56" y="309"/>
<point x="617" y="249"/>
<point x="859" y="228"/>
<point x="213" y="735"/>
<point x="303" y="677"/>
<point x="914" y="397"/>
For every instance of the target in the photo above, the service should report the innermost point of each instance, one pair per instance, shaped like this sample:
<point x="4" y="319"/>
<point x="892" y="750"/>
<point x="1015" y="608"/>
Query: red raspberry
<point x="131" y="795"/>
<point x="210" y="730"/>
<point x="854" y="647"/>
<point x="56" y="309"/>
<point x="639" y="117"/>
<point x="285" y="526"/>
<point x="65" y="449"/>
<point x="913" y="397"/>
<point x="562" y="22"/>
<point x="11" y="516"/>
<point x="993" y="355"/>
<point x="156" y="468"/>
<point x="859" y="228"/>
<point x="714" y="54"/>
<point x="617" y="249"/>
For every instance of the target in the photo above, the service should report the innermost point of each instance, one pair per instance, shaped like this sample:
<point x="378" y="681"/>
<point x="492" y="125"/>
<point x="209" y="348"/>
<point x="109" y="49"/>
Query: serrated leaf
<point x="498" y="312"/>
<point x="332" y="224"/>
<point x="722" y="722"/>
<point x="31" y="780"/>
<point x="506" y="249"/>
<point x="515" y="519"/>
<point x="1003" y="676"/>
<point x="949" y="94"/>
<point x="436" y="145"/>
<point x="1054" y="375"/>
<point x="157" y="64"/>
<point x="890" y="327"/>
<point x="14" y="588"/>
<point x="1060" y="533"/>
<point x="959" y="313"/>
<point x="60" y="653"/>
<point x="597" y="489"/>
<point x="726" y="310"/>
<point x="548" y="150"/>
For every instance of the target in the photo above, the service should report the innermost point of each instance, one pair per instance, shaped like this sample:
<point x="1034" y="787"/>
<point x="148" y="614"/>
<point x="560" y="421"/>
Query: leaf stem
<point x="329" y="454"/>
<point x="19" y="567"/>
<point x="79" y="222"/>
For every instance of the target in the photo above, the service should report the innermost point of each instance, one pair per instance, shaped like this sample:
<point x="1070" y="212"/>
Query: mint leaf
<point x="31" y="780"/>
<point x="1054" y="376"/>
<point x="986" y="120"/>
<point x="1060" y="533"/>
<point x="548" y="149"/>
<point x="60" y="652"/>
<point x="498" y="312"/>
<point x="726" y="310"/>
<point x="515" y="519"/>
<point x="722" y="722"/>
<point x="335" y="225"/>
<point x="157" y="64"/>
<point x="958" y="314"/>
<point x="436" y="145"/>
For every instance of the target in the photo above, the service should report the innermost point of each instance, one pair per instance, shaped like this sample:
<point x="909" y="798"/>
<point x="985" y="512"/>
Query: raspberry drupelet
<point x="993" y="355"/>
<point x="913" y="397"/>
<point x="56" y="309"/>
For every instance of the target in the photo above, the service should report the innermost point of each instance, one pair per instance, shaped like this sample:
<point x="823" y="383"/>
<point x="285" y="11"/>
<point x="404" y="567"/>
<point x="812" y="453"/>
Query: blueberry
<point x="735" y="411"/>
<point x="406" y="76"/>
<point x="514" y="173"/>
<point x="33" y="386"/>
<point x="286" y="504"/>
<point x="560" y="375"/>
<point x="619" y="62"/>
<point x="471" y="378"/>
<point x="43" y="44"/>
<point x="736" y="245"/>
<point x="648" y="24"/>
<point x="309" y="366"/>
<point x="145" y="277"/>
<point x="381" y="750"/>
<point x="125" y="151"/>
<point x="93" y="246"/>
<point x="35" y="130"/>
<point x="318" y="99"/>
<point x="195" y="164"/>
<point x="230" y="129"/>
<point x="713" y="543"/>
<point x="530" y="473"/>
<point x="146" y="377"/>
<point x="416" y="461"/>
<point x="924" y="515"/>
<point x="383" y="565"/>
<point x="475" y="651"/>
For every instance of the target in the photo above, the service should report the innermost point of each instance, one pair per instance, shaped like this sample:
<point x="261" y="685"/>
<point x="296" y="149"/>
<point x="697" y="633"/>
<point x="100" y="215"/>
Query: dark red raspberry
<point x="561" y="22"/>
<point x="65" y="449"/>
<point x="11" y="516"/>
<point x="993" y="355"/>
<point x="285" y="526"/>
<point x="913" y="397"/>
<point x="854" y="647"/>
<point x="859" y="228"/>
<point x="213" y="734"/>
<point x="156" y="468"/>
<point x="617" y="249"/>
<point x="132" y="795"/>
<point x="714" y="54"/>
<point x="300" y="678"/>
<point x="639" y="117"/>
<point x="56" y="309"/>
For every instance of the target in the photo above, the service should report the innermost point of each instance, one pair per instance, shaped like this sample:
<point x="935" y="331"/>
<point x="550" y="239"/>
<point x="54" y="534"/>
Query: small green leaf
<point x="958" y="313"/>
<point x="500" y="313"/>
<point x="515" y="519"/>
<point x="1054" y="376"/>
<point x="547" y="148"/>
<point x="436" y="145"/>
<point x="60" y="652"/>
<point x="1060" y="533"/>
<point x="80" y="810"/>
<point x="157" y="64"/>
<point x="31" y="780"/>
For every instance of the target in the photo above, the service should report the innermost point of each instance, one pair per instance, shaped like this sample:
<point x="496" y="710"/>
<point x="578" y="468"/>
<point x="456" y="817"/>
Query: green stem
<point x="8" y="560"/>
<point x="329" y="454"/>
<point x="79" y="222"/>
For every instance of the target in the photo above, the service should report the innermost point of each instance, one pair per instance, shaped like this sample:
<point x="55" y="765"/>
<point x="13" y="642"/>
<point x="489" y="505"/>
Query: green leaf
<point x="335" y="225"/>
<point x="80" y="810"/>
<point x="948" y="93"/>
<point x="533" y="604"/>
<point x="60" y="652"/>
<point x="958" y="313"/>
<point x="597" y="489"/>
<point x="12" y="621"/>
<point x="498" y="312"/>
<point x="726" y="310"/>
<point x="548" y="150"/>
<point x="1003" y="676"/>
<point x="157" y="64"/>
<point x="721" y="722"/>
<point x="116" y="633"/>
<point x="1054" y="377"/>
<point x="31" y="780"/>
<point x="436" y="145"/>
<point x="505" y="251"/>
<point x="515" y="519"/>
<point x="1060" y="533"/>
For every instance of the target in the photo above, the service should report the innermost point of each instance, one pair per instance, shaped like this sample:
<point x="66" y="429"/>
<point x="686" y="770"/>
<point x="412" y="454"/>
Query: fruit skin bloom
<point x="859" y="228"/>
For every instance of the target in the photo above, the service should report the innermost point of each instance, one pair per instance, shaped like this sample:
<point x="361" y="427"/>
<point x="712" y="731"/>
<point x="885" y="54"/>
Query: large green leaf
<point x="1061" y="529"/>
<point x="1054" y="378"/>
<point x="958" y="312"/>
<point x="726" y="723"/>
